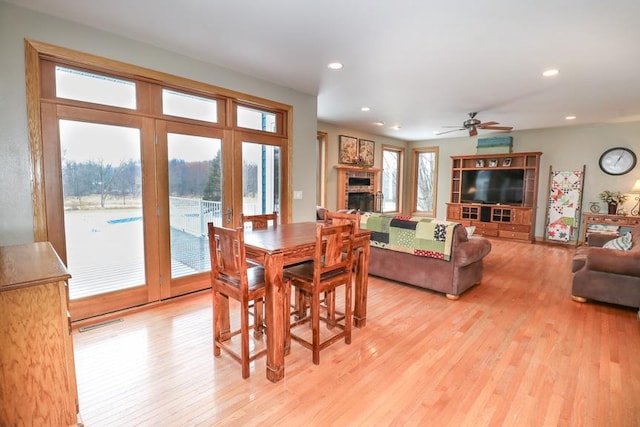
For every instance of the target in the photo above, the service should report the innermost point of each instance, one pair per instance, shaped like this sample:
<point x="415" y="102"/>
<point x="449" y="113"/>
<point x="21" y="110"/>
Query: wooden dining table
<point x="287" y="244"/>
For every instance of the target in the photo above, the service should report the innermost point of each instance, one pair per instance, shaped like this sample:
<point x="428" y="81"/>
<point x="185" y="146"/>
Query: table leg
<point x="362" y="282"/>
<point x="274" y="310"/>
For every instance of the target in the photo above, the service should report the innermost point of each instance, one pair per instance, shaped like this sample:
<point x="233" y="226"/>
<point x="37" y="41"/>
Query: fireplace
<point x="357" y="188"/>
<point x="361" y="201"/>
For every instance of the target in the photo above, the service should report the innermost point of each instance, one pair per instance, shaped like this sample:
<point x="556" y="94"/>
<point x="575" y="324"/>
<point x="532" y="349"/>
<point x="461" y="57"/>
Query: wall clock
<point x="617" y="161"/>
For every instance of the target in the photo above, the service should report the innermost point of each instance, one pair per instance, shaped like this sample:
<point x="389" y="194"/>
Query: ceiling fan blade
<point x="449" y="131"/>
<point x="488" y="124"/>
<point x="473" y="131"/>
<point x="497" y="127"/>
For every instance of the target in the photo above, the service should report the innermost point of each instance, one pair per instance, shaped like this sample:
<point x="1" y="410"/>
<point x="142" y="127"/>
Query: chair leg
<point x="258" y="318"/>
<point x="330" y="302"/>
<point x="287" y="317"/>
<point x="347" y="312"/>
<point x="244" y="334"/>
<point x="217" y="315"/>
<point x="315" y="327"/>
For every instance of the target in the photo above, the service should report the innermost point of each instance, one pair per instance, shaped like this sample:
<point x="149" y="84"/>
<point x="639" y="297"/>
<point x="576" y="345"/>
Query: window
<point x="252" y="118"/>
<point x="189" y="106"/>
<point x="392" y="166"/>
<point x="95" y="88"/>
<point x="321" y="169"/>
<point x="424" y="172"/>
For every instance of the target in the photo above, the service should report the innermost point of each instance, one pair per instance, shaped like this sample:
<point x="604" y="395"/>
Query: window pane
<point x="189" y="106"/>
<point x="102" y="189"/>
<point x="425" y="190"/>
<point x="195" y="199"/>
<point x="256" y="119"/>
<point x="260" y="178"/>
<point x="390" y="180"/>
<point x="95" y="88"/>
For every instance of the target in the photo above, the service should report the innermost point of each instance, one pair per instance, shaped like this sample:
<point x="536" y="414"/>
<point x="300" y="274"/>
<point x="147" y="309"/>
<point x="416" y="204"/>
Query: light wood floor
<point x="514" y="351"/>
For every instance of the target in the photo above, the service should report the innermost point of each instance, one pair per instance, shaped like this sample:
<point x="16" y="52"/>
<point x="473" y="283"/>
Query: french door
<point x="129" y="167"/>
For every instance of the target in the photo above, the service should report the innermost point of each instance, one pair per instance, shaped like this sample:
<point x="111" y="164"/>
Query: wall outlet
<point x="297" y="195"/>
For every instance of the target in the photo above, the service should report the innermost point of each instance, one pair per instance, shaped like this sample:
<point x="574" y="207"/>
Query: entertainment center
<point x="496" y="193"/>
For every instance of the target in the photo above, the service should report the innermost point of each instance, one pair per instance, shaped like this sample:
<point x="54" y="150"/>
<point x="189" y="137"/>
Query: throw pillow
<point x="470" y="230"/>
<point x="622" y="243"/>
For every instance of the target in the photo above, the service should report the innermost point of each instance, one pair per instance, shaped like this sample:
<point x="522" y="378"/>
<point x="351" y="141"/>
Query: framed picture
<point x="493" y="163"/>
<point x="347" y="150"/>
<point x="506" y="162"/>
<point x="480" y="163"/>
<point x="366" y="150"/>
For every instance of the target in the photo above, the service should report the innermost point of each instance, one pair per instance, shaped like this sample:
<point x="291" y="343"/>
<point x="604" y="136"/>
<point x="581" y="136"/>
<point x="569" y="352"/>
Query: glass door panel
<point x="260" y="178"/>
<point x="103" y="207"/>
<point x="195" y="199"/>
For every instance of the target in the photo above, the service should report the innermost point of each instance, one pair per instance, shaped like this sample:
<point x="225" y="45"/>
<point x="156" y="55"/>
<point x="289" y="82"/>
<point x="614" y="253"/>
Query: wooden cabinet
<point x="37" y="382"/>
<point x="606" y="224"/>
<point x="513" y="220"/>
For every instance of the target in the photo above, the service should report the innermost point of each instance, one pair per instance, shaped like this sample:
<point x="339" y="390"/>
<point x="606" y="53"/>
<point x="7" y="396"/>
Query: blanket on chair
<point x="415" y="235"/>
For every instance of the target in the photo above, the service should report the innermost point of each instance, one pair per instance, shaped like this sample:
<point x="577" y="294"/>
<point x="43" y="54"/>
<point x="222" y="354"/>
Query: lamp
<point x="636" y="189"/>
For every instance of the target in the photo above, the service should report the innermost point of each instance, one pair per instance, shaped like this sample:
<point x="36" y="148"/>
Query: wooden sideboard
<point x="38" y="381"/>
<point x="608" y="224"/>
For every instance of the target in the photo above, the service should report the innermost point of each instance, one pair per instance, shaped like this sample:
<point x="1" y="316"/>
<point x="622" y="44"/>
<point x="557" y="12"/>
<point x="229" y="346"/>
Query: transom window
<point x="95" y="88"/>
<point x="253" y="118"/>
<point x="189" y="106"/>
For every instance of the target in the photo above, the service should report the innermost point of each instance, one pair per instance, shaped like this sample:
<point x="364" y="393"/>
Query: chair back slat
<point x="228" y="258"/>
<point x="259" y="222"/>
<point x="336" y="218"/>
<point x="334" y="245"/>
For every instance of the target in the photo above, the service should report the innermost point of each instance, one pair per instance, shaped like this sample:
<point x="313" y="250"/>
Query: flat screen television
<point x="492" y="186"/>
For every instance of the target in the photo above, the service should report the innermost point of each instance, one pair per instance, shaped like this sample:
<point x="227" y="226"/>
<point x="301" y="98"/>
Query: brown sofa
<point x="607" y="275"/>
<point x="452" y="277"/>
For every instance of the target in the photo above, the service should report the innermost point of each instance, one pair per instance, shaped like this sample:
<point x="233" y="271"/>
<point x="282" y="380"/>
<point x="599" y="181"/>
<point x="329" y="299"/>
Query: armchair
<point x="607" y="275"/>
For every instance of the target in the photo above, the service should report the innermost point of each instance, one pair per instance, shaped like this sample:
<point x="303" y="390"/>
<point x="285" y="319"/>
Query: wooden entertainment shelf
<point x="509" y="220"/>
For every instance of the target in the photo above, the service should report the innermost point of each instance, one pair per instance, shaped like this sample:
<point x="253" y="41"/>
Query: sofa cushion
<point x="622" y="243"/>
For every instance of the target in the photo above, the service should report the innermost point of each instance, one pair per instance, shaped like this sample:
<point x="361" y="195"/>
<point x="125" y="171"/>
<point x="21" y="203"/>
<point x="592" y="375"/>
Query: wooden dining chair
<point x="231" y="278"/>
<point x="331" y="267"/>
<point x="259" y="222"/>
<point x="334" y="218"/>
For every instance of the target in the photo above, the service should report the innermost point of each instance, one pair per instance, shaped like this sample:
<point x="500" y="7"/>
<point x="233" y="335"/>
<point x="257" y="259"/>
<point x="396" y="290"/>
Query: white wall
<point x="16" y="24"/>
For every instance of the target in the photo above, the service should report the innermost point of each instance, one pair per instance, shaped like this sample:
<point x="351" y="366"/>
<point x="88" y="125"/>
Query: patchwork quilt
<point x="415" y="235"/>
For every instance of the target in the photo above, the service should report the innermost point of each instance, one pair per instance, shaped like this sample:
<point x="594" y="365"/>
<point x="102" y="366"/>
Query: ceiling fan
<point x="472" y="125"/>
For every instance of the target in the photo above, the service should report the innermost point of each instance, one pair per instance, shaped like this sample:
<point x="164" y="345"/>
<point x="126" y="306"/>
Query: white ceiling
<point x="419" y="64"/>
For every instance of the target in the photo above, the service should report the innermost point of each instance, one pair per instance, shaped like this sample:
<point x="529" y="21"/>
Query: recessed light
<point x="335" y="65"/>
<point x="379" y="123"/>
<point x="396" y="127"/>
<point x="550" y="72"/>
<point x="365" y="109"/>
<point x="570" y="118"/>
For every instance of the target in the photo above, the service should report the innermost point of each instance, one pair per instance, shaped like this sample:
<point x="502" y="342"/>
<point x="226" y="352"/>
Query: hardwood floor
<point x="514" y="351"/>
